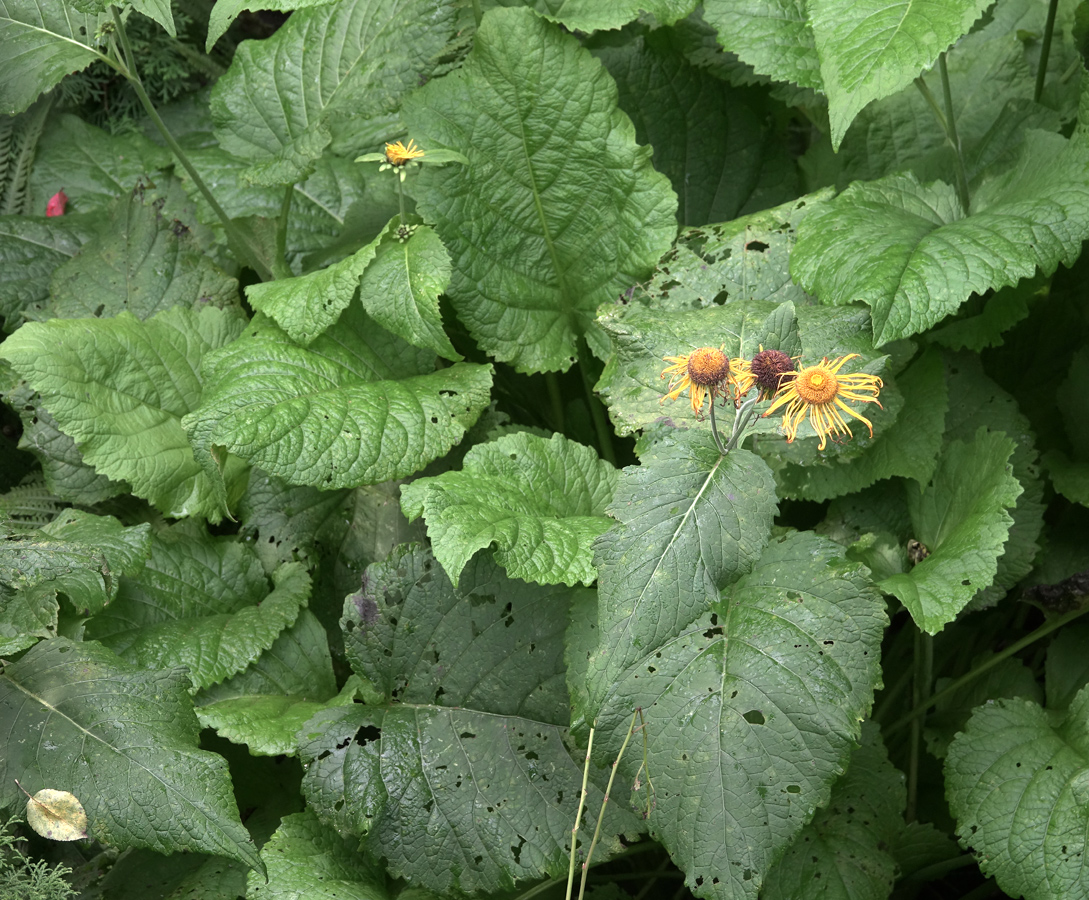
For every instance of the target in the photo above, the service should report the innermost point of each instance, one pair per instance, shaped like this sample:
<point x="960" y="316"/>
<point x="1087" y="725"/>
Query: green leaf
<point x="306" y="306"/>
<point x="40" y="43"/>
<point x="31" y="248"/>
<point x="962" y="518"/>
<point x="93" y="166"/>
<point x="911" y="253"/>
<point x="590" y="15"/>
<point x="307" y="859"/>
<point x="400" y="289"/>
<point x="982" y="326"/>
<point x="1067" y="667"/>
<point x="322" y="207"/>
<point x="712" y="140"/>
<point x="358" y="407"/>
<point x="976" y="401"/>
<point x="26" y="616"/>
<point x="581" y="214"/>
<point x="690" y="523"/>
<point x="1016" y="785"/>
<point x="752" y="705"/>
<point x="872" y="49"/>
<point x="268" y="703"/>
<point x="747" y="259"/>
<point x="846" y="849"/>
<point x="125" y="742"/>
<point x="78" y="554"/>
<point x="226" y="11"/>
<point x="992" y="89"/>
<point x="1071" y="479"/>
<point x="350" y="528"/>
<point x="475" y="715"/>
<point x="138" y="262"/>
<point x="539" y="502"/>
<point x="326" y="70"/>
<point x="132" y="392"/>
<point x="65" y="472"/>
<point x="772" y="36"/>
<point x="203" y="605"/>
<point x="949" y="716"/>
<point x="908" y="447"/>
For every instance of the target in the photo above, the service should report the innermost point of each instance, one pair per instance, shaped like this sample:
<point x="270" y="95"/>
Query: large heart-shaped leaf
<point x="356" y="407"/>
<point x="915" y="255"/>
<point x="540" y="502"/>
<point x="467" y="755"/>
<point x="124" y="741"/>
<point x="557" y="210"/>
<point x="124" y="401"/>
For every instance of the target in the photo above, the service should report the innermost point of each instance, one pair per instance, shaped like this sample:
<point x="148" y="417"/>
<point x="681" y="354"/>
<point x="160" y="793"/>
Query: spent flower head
<point x="397" y="154"/>
<point x="818" y="392"/>
<point x="766" y="371"/>
<point x="703" y="371"/>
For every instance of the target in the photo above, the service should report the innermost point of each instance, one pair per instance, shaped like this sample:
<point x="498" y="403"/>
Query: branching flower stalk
<point x="604" y="803"/>
<point x="236" y="237"/>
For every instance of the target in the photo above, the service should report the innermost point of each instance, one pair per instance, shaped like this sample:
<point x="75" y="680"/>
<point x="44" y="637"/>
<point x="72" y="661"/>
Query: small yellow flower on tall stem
<point x="818" y="392"/>
<point x="397" y="154"/>
<point x="703" y="371"/>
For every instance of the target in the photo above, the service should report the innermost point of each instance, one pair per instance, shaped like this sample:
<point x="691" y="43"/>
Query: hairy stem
<point x="237" y="239"/>
<point x="578" y="814"/>
<point x="1045" y="50"/>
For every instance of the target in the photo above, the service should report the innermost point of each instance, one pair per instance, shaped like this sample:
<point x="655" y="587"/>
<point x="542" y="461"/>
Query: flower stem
<point x="920" y="691"/>
<point x="604" y="803"/>
<point x="714" y="431"/>
<point x="236" y="238"/>
<point x="954" y="686"/>
<point x="400" y="194"/>
<point x="953" y="137"/>
<point x="597" y="411"/>
<point x="578" y="813"/>
<point x="555" y="398"/>
<point x="281" y="231"/>
<point x="1045" y="50"/>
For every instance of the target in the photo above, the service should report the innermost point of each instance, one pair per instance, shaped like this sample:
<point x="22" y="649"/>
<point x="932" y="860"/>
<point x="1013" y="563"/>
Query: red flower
<point x="56" y="204"/>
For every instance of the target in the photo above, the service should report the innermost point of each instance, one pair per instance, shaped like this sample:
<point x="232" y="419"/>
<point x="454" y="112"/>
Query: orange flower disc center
<point x="816" y="385"/>
<point x="708" y="366"/>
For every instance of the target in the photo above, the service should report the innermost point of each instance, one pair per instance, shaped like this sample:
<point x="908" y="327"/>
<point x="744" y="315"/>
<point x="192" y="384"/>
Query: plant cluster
<point x="352" y="544"/>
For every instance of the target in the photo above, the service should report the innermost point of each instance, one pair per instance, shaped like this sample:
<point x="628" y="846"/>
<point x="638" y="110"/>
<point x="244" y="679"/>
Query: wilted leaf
<point x="57" y="815"/>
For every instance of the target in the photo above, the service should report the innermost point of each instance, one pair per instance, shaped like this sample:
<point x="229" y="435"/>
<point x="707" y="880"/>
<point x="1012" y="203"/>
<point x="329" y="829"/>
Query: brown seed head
<point x="768" y="367"/>
<point x="708" y="366"/>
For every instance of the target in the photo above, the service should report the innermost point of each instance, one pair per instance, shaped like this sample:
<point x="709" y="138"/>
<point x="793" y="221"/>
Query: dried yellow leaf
<point x="56" y="815"/>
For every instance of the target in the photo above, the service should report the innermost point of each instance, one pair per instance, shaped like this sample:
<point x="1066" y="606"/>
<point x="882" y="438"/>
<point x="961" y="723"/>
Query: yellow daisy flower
<point x="704" y="371"/>
<point x="766" y="370"/>
<point x="398" y="154"/>
<point x="819" y="391"/>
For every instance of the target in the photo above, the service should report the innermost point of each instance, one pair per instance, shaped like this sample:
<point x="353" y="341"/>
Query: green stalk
<point x="578" y="814"/>
<point x="477" y="13"/>
<point x="1041" y="632"/>
<point x="597" y="411"/>
<point x="236" y="238"/>
<point x="714" y="430"/>
<point x="1045" y="50"/>
<point x="953" y="137"/>
<point x="604" y="803"/>
<point x="920" y="691"/>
